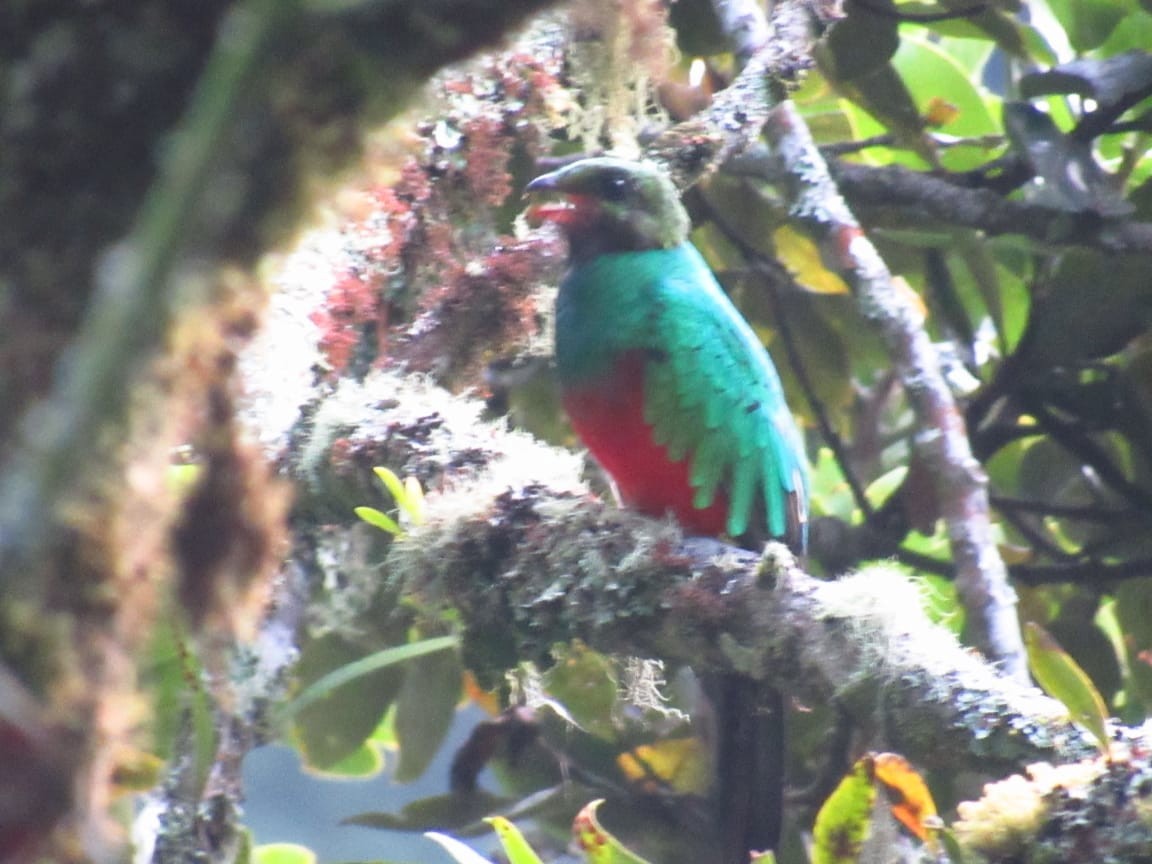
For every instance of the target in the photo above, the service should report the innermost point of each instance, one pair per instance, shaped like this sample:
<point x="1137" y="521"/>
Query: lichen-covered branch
<point x="961" y="485"/>
<point x="775" y="52"/>
<point x="534" y="567"/>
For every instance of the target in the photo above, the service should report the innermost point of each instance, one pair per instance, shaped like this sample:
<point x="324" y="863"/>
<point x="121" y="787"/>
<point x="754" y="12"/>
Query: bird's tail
<point x="749" y="766"/>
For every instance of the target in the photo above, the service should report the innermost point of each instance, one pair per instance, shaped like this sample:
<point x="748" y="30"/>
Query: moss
<point x="1086" y="812"/>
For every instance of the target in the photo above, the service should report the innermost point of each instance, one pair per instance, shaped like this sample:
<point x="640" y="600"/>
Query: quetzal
<point x="675" y="396"/>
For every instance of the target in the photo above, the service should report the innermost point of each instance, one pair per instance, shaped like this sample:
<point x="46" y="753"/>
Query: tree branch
<point x="533" y="567"/>
<point x="935" y="199"/>
<point x="961" y="484"/>
<point x="776" y="52"/>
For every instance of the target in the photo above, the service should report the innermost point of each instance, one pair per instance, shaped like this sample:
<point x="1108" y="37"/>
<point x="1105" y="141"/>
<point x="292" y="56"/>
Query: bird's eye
<point x="614" y="187"/>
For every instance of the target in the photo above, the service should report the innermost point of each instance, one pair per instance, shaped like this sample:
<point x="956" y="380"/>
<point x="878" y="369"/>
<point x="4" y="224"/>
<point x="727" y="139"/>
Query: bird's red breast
<point x="608" y="415"/>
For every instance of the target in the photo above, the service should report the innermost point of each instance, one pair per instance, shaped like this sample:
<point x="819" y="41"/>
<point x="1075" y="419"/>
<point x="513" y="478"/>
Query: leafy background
<point x="997" y="155"/>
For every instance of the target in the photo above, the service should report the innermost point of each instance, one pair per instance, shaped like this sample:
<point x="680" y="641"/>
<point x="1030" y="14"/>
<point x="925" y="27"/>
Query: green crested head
<point x="612" y="205"/>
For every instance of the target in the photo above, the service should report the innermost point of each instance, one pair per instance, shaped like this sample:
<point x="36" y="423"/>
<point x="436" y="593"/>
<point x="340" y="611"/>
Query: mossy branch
<point x="529" y="558"/>
<point x="534" y="567"/>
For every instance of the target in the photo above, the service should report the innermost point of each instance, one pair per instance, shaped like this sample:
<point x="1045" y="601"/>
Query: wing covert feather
<point x="712" y="395"/>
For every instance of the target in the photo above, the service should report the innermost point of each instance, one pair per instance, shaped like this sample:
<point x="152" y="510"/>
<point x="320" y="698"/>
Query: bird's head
<point x="612" y="205"/>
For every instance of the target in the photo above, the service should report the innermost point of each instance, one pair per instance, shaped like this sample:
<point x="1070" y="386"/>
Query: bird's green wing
<point x="713" y="396"/>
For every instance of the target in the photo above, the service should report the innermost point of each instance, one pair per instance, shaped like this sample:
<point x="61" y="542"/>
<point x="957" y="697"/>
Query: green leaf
<point x="931" y="72"/>
<point x="831" y="495"/>
<point x="345" y="696"/>
<point x="451" y="811"/>
<point x="321" y="688"/>
<point x="859" y="44"/>
<point x="1103" y="300"/>
<point x="1133" y="33"/>
<point x="845" y="819"/>
<point x="513" y="842"/>
<point x="1089" y="22"/>
<point x="283" y="853"/>
<point x="391" y="482"/>
<point x="425" y="707"/>
<point x="330" y="723"/>
<point x="379" y="520"/>
<point x="365" y="761"/>
<point x="599" y="846"/>
<point x="1086" y="642"/>
<point x="923" y="72"/>
<point x="883" y="487"/>
<point x="881" y="102"/>
<point x="584" y="682"/>
<point x="1062" y="678"/>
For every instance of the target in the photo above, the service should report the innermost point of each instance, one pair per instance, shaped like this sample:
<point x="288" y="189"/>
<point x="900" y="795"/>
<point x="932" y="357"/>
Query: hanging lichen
<point x="620" y="51"/>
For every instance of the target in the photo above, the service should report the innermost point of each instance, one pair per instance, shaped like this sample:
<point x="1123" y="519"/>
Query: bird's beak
<point x="544" y="183"/>
<point x="563" y="211"/>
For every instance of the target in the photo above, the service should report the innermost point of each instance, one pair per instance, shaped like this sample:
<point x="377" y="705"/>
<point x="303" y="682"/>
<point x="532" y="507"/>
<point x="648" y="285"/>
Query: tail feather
<point x="749" y="766"/>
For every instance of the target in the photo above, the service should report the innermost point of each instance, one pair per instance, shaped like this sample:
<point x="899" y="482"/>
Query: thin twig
<point x="1081" y="513"/>
<point x="946" y="200"/>
<point x="1083" y="572"/>
<point x="1039" y="539"/>
<point x="943" y="200"/>
<point x="890" y="141"/>
<point x="1091" y="454"/>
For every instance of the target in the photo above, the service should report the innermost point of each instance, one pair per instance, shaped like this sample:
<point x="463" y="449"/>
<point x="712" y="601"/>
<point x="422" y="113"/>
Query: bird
<point x="676" y="398"/>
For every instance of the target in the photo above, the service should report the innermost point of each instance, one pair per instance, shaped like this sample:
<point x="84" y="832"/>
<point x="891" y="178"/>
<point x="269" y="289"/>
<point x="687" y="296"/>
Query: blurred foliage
<point x="1045" y="337"/>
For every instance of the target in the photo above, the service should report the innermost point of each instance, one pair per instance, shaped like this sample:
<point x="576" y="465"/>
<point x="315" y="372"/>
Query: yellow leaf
<point x="939" y="112"/>
<point x="681" y="764"/>
<point x="413" y="502"/>
<point x="801" y="256"/>
<point x="391" y="482"/>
